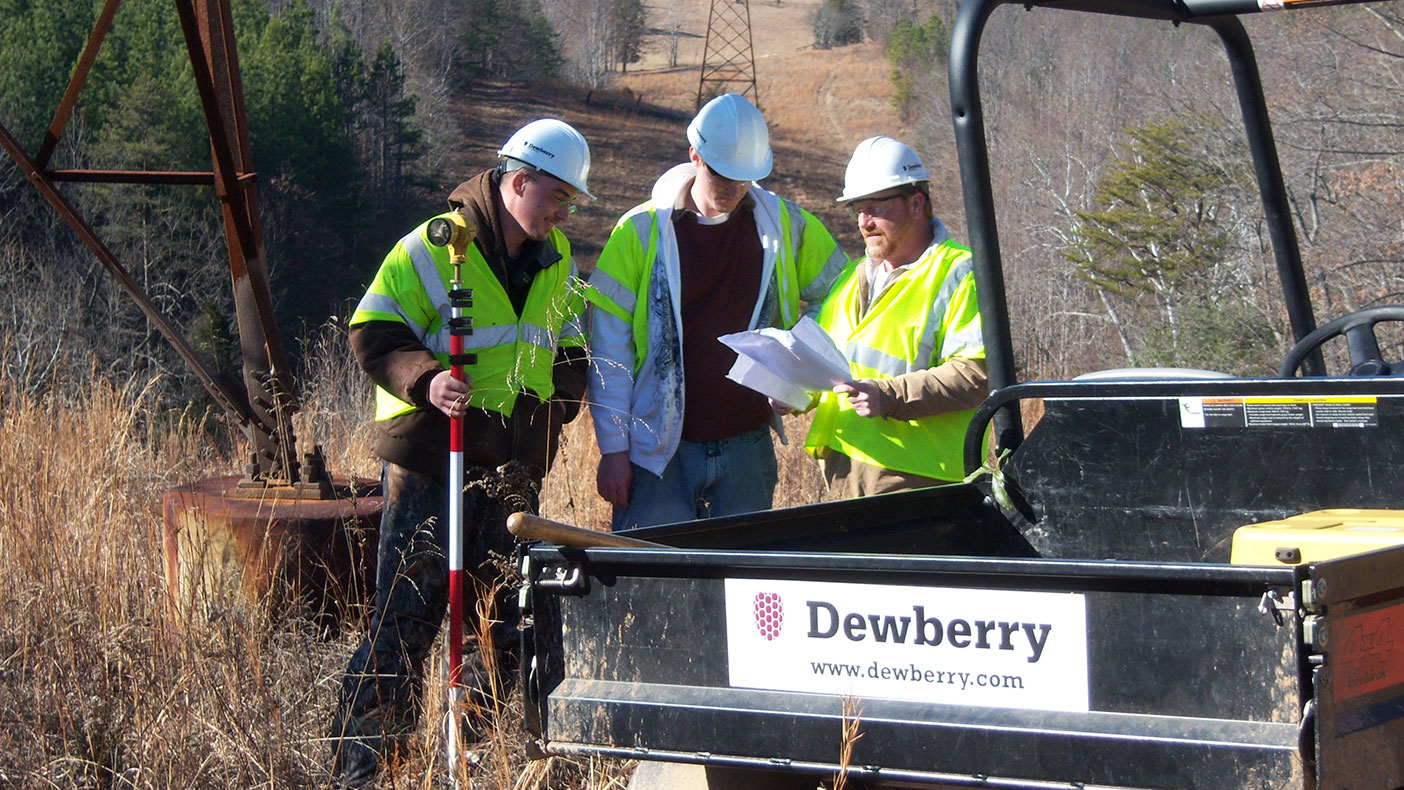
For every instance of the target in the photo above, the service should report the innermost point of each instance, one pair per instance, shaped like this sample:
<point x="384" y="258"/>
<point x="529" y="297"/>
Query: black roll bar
<point x="968" y="117"/>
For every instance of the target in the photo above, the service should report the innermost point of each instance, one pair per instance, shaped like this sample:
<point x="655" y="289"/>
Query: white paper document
<point x="787" y="365"/>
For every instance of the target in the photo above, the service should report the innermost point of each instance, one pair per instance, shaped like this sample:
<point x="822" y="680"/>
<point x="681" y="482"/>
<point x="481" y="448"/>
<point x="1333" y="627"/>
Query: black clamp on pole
<point x="461" y="298"/>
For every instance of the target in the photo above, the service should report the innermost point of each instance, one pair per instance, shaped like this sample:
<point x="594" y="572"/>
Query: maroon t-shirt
<point x="721" y="282"/>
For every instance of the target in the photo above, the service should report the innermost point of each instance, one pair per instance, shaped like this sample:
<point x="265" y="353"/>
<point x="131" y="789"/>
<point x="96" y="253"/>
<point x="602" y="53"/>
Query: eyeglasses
<point x="875" y="207"/>
<point x="561" y="197"/>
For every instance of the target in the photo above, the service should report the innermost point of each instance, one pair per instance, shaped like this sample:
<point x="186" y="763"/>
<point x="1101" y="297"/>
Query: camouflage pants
<point x="380" y="692"/>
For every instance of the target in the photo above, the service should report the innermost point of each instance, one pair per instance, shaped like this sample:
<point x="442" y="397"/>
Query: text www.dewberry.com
<point x="916" y="674"/>
<point x="961" y="646"/>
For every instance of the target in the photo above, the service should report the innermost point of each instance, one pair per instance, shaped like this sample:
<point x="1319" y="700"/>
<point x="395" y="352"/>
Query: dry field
<point x="104" y="685"/>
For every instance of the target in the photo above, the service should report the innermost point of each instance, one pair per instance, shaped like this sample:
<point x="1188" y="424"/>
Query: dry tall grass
<point x="104" y="685"/>
<point x="101" y="687"/>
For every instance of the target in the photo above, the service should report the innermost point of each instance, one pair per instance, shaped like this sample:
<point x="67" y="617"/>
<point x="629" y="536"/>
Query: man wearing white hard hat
<point x="710" y="253"/>
<point x="524" y="379"/>
<point x="905" y="316"/>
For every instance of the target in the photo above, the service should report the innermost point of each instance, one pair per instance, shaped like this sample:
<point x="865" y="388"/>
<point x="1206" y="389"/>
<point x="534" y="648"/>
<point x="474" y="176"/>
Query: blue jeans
<point x="702" y="480"/>
<point x="380" y="692"/>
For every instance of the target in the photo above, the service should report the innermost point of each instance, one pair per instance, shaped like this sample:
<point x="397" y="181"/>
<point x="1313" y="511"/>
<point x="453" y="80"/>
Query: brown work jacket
<point x="396" y="360"/>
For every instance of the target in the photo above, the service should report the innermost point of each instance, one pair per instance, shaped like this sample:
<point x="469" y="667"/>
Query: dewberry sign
<point x="989" y="648"/>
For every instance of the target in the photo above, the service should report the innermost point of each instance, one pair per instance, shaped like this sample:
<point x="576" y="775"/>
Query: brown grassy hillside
<point x="819" y="105"/>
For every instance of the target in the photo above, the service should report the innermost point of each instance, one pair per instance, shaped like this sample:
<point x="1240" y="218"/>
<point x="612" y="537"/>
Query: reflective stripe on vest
<point x="434" y="288"/>
<point x="784" y="266"/>
<point x="379" y="303"/>
<point x="611" y="288"/>
<point x="512" y="354"/>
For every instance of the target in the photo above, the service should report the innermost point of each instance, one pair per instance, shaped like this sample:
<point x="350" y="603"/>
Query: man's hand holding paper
<point x="787" y="365"/>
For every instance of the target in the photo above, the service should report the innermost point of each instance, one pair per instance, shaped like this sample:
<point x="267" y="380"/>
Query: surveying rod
<point x="454" y="231"/>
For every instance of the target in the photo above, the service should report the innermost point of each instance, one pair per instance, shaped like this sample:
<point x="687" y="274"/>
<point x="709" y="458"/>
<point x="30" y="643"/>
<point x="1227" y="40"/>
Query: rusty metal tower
<point x="283" y="528"/>
<point x="728" y="60"/>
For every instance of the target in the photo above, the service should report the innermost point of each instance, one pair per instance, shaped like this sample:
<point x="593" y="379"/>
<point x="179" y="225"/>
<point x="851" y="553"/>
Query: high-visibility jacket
<point x="514" y="353"/>
<point x="636" y="379"/>
<point x="926" y="316"/>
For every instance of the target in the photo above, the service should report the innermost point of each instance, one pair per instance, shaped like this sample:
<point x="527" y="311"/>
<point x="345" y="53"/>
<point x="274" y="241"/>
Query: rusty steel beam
<point x="266" y="411"/>
<point x="75" y="84"/>
<point x="232" y="403"/>
<point x="209" y="39"/>
<point x="173" y="177"/>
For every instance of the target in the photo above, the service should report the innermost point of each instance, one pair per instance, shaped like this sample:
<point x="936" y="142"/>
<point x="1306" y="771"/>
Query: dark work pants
<point x="380" y="693"/>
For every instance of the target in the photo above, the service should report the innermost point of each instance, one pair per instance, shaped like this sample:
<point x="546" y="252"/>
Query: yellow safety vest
<point x="792" y="271"/>
<point x="926" y="316"/>
<point x="514" y="353"/>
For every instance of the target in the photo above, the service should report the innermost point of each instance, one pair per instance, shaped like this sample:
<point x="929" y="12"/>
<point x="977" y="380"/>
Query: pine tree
<point x="1163" y="219"/>
<point x="392" y="142"/>
<point x="1169" y="222"/>
<point x="838" y="22"/>
<point x="915" y="50"/>
<point x="630" y="25"/>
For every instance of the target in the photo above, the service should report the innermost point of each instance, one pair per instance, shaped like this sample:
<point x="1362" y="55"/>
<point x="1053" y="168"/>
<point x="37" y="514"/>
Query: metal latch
<point x="526" y="568"/>
<point x="1312" y="593"/>
<point x="1314" y="632"/>
<point x="568" y="579"/>
<point x="530" y="689"/>
<point x="1275" y="603"/>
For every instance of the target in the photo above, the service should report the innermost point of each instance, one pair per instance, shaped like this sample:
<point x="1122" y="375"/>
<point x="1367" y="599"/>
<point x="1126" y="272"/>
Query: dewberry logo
<point x="770" y="614"/>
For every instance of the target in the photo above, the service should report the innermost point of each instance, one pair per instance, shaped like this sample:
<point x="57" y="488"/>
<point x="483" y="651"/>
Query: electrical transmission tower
<point x="728" y="61"/>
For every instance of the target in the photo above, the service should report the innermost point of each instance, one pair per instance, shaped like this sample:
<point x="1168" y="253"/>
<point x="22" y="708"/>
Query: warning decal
<point x="1304" y="412"/>
<point x="1365" y="653"/>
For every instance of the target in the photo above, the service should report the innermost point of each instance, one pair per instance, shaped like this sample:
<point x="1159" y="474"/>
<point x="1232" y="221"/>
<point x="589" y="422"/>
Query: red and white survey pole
<point x="454" y="231"/>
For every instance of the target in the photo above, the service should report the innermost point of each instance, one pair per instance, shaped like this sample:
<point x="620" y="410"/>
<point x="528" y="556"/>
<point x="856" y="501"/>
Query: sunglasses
<point x="723" y="179"/>
<point x="876" y="207"/>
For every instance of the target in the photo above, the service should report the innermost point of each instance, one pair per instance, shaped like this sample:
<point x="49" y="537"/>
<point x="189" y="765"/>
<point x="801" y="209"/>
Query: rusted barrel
<point x="228" y="545"/>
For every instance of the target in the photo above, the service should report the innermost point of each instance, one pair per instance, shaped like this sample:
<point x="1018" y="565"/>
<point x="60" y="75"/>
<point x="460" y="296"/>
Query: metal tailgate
<point x="1195" y="674"/>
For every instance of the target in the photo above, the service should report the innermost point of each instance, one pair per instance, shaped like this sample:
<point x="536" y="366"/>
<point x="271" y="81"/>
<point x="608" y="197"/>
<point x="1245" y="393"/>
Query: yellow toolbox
<point x="1318" y="535"/>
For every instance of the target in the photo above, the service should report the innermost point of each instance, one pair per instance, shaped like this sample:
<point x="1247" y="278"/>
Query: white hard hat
<point x="880" y="163"/>
<point x="730" y="135"/>
<point x="553" y="147"/>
